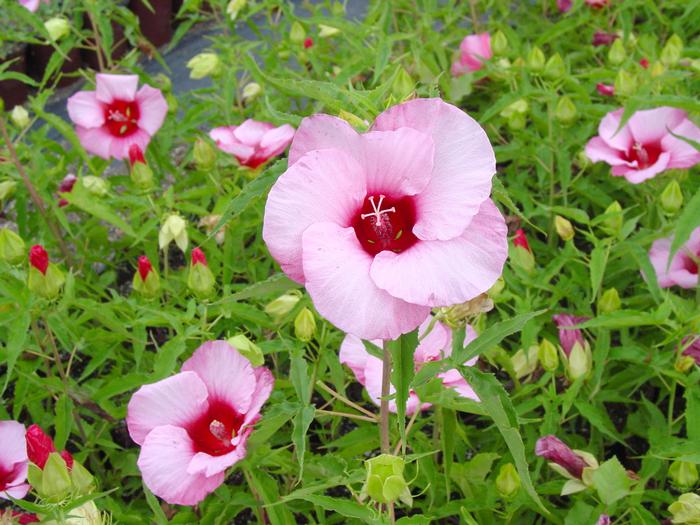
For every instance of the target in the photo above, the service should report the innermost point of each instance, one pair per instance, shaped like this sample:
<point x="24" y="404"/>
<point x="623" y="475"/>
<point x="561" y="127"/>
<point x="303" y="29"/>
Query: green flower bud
<point x="142" y="175"/>
<point x="95" y="185"/>
<point x="566" y="112"/>
<point x="554" y="68"/>
<point x="148" y="287"/>
<point x="582" y="159"/>
<point x="83" y="482"/>
<point x="612" y="223"/>
<point x="234" y="7"/>
<point x="672" y="198"/>
<point x="548" y="355"/>
<point x="625" y="84"/>
<point x="204" y="65"/>
<point x="522" y="258"/>
<point x="57" y="28"/>
<point x="20" y="117"/>
<point x="385" y="482"/>
<point x="325" y="31"/>
<point x="55" y="479"/>
<point x="499" y="43"/>
<point x="201" y="281"/>
<point x="564" y="228"/>
<point x="163" y="82"/>
<point x="297" y="34"/>
<point x="672" y="51"/>
<point x="508" y="481"/>
<point x="683" y="474"/>
<point x="280" y="307"/>
<point x="172" y="102"/>
<point x="251" y="91"/>
<point x="46" y="285"/>
<point x="174" y="228"/>
<point x="7" y="189"/>
<point x="579" y="362"/>
<point x="204" y="155"/>
<point x="657" y="69"/>
<point x="684" y="363"/>
<point x="305" y="325"/>
<point x="403" y="85"/>
<point x="535" y="59"/>
<point x="609" y="301"/>
<point x="617" y="53"/>
<point x="516" y="114"/>
<point x="247" y="349"/>
<point x="686" y="510"/>
<point x="12" y="247"/>
<point x="524" y="363"/>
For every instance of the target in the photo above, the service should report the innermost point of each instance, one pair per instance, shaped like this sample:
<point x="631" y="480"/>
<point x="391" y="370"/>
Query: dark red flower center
<point x="213" y="432"/>
<point x="385" y="223"/>
<point x="645" y="154"/>
<point x="690" y="264"/>
<point x="121" y="117"/>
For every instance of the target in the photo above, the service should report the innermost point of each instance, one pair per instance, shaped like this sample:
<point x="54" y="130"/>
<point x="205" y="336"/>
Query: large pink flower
<point x="194" y="425"/>
<point x="473" y="52"/>
<point x="683" y="270"/>
<point x="115" y="116"/>
<point x="253" y="143"/>
<point x="32" y="5"/>
<point x="13" y="460"/>
<point x="645" y="146"/>
<point x="436" y="345"/>
<point x="380" y="227"/>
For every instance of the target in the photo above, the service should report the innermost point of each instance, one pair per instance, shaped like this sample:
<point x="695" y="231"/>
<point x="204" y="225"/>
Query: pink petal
<point x="227" y="375"/>
<point x="324" y="186"/>
<point x="264" y="382"/>
<point x="227" y="141"/>
<point x="176" y="400"/>
<point x="683" y="155"/>
<point x="251" y="132"/>
<point x="206" y="465"/>
<point x="85" y="110"/>
<point x="324" y="132"/>
<point x="463" y="165"/>
<point x="164" y="459"/>
<point x="658" y="255"/>
<point x="336" y="269"/>
<point x="276" y="141"/>
<point x="635" y="175"/>
<point x="453" y="379"/>
<point x="652" y="125"/>
<point x="14" y="445"/>
<point x="115" y="87"/>
<point x="97" y="141"/>
<point x="31" y="5"/>
<point x="16" y="491"/>
<point x="477" y="46"/>
<point x="608" y="130"/>
<point x="597" y="149"/>
<point x="443" y="273"/>
<point x="398" y="162"/>
<point x="354" y="355"/>
<point x="373" y="375"/>
<point x="119" y="147"/>
<point x="435" y="345"/>
<point x="153" y="109"/>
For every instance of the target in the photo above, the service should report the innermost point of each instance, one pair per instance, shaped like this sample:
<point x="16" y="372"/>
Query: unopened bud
<point x="516" y="113"/>
<point x="566" y="112"/>
<point x="555" y="68"/>
<point x="204" y="65"/>
<point x="686" y="510"/>
<point x="7" y="189"/>
<point x="234" y="7"/>
<point x="204" y="155"/>
<point x="20" y="117"/>
<point x="12" y="247"/>
<point x="247" y="349"/>
<point x="684" y="363"/>
<point x="163" y="82"/>
<point x="200" y="279"/>
<point x="609" y="301"/>
<point x="617" y="53"/>
<point x="508" y="481"/>
<point x="403" y="85"/>
<point x="55" y="480"/>
<point x="297" y="33"/>
<point x="499" y="43"/>
<point x="174" y="228"/>
<point x="683" y="474"/>
<point x="45" y="278"/>
<point x="146" y="280"/>
<point x="280" y="307"/>
<point x="548" y="355"/>
<point x="579" y="362"/>
<point x="251" y="91"/>
<point x="305" y="325"/>
<point x="535" y="59"/>
<point x="524" y="363"/>
<point x="672" y="198"/>
<point x="385" y="482"/>
<point x="672" y="51"/>
<point x="95" y="185"/>
<point x="564" y="228"/>
<point x="613" y="221"/>
<point x="57" y="28"/>
<point x="325" y="31"/>
<point x="625" y="84"/>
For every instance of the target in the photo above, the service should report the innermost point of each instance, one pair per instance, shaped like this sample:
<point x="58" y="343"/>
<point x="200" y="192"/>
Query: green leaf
<point x="611" y="481"/>
<point x="402" y="373"/>
<point x="599" y="258"/>
<point x="344" y="507"/>
<point x="687" y="222"/>
<point x="692" y="414"/>
<point x="87" y="202"/>
<point x="19" y="331"/>
<point x="158" y="514"/>
<point x="302" y="422"/>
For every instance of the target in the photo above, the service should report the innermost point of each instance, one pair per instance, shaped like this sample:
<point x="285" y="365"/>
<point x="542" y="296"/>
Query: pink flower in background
<point x="383" y="226"/>
<point x="554" y="450"/>
<point x="606" y="90"/>
<point x="683" y="270"/>
<point x="597" y="4"/>
<point x="66" y="186"/>
<point x="604" y="519"/>
<point x="691" y="346"/>
<point x="40" y="446"/>
<point x="436" y="345"/>
<point x="568" y="334"/>
<point x="253" y="143"/>
<point x="32" y="5"/>
<point x="601" y="38"/>
<point x="564" y="5"/>
<point x="645" y="146"/>
<point x="474" y="51"/>
<point x="13" y="461"/>
<point x="116" y="116"/>
<point x="194" y="425"/>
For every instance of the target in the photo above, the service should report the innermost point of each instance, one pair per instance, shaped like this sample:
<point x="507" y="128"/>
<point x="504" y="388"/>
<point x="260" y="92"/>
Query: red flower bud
<point x="136" y="155"/>
<point x="198" y="257"/>
<point x="308" y="42"/>
<point x="644" y="63"/>
<point x="24" y="518"/>
<point x="521" y="240"/>
<point x="144" y="267"/>
<point x="38" y="258"/>
<point x="40" y="445"/>
<point x="603" y="39"/>
<point x="564" y="5"/>
<point x="66" y="186"/>
<point x="553" y="449"/>
<point x="605" y="89"/>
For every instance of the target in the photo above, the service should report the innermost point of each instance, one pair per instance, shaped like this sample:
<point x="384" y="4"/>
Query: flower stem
<point x="384" y="405"/>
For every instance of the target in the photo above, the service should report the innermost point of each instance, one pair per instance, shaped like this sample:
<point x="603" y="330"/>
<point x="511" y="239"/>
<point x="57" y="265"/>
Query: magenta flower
<point x="253" y="143"/>
<point x="13" y="461"/>
<point x="436" y="345"/>
<point x="194" y="425"/>
<point x="604" y="519"/>
<point x="607" y="90"/>
<point x="383" y="226"/>
<point x="568" y="335"/>
<point x="601" y="38"/>
<point x="473" y="52"/>
<point x="554" y="450"/>
<point x="32" y="5"/>
<point x="66" y="186"/>
<point x="564" y="5"/>
<point x="691" y="346"/>
<point x="116" y="116"/>
<point x="645" y="146"/>
<point x="683" y="270"/>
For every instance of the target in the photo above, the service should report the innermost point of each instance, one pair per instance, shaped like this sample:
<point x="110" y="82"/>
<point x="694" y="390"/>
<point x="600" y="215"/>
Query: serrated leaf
<point x="611" y="481"/>
<point x="302" y="422"/>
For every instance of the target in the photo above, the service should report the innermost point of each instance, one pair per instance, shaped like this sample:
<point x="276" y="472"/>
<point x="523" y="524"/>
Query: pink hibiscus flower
<point x="194" y="425"/>
<point x="555" y="450"/>
<point x="115" y="116"/>
<point x="607" y="90"/>
<point x="253" y="143"/>
<point x="683" y="270"/>
<point x="645" y="146"/>
<point x="564" y="5"/>
<point x="568" y="334"/>
<point x="381" y="227"/>
<point x="32" y="5"/>
<point x="13" y="461"/>
<point x="473" y="52"/>
<point x="436" y="345"/>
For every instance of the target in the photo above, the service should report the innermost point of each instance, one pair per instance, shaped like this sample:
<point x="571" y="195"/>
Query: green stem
<point x="384" y="405"/>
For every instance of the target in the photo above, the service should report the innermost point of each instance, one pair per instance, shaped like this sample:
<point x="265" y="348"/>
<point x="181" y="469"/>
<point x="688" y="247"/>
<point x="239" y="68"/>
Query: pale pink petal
<point x="119" y="147"/>
<point x="164" y="459"/>
<point x="635" y="175"/>
<point x="453" y="379"/>
<point x="683" y="278"/>
<point x="152" y="107"/>
<point x="652" y="125"/>
<point x="477" y="45"/>
<point x="176" y="400"/>
<point x="276" y="141"/>
<point x="206" y="465"/>
<point x="16" y="491"/>
<point x="598" y="150"/>
<point x="459" y="69"/>
<point x="373" y="376"/>
<point x="463" y="165"/>
<point x="658" y="255"/>
<point x="683" y="155"/>
<point x="14" y="445"/>
<point x="443" y="273"/>
<point x="85" y="110"/>
<point x="336" y="269"/>
<point x="31" y="5"/>
<point x="608" y="130"/>
<point x="251" y="132"/>
<point x="264" y="382"/>
<point x="398" y="162"/>
<point x="325" y="185"/>
<point x="115" y="87"/>
<point x="97" y="141"/>
<point x="324" y="132"/>
<point x="227" y="141"/>
<point x="435" y="345"/>
<point x="354" y="355"/>
<point x="227" y="375"/>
